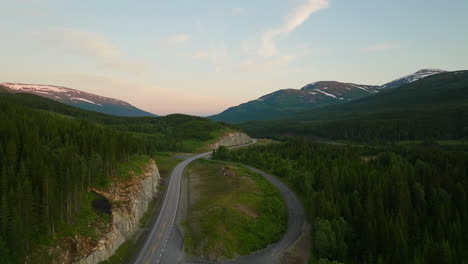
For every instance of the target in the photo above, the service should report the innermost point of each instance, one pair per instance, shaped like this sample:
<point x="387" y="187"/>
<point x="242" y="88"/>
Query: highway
<point x="164" y="244"/>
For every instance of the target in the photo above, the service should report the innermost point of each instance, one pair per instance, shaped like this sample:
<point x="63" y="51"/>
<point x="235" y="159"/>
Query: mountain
<point x="435" y="107"/>
<point x="285" y="102"/>
<point x="412" y="78"/>
<point x="77" y="98"/>
<point x="289" y="101"/>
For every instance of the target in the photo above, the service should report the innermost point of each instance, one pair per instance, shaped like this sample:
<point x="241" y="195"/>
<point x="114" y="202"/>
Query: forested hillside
<point x="50" y="154"/>
<point x="435" y="107"/>
<point x="375" y="205"/>
<point x="175" y="132"/>
<point x="47" y="163"/>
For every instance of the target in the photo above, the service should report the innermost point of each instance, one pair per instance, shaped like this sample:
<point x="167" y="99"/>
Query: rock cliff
<point x="231" y="139"/>
<point x="129" y="199"/>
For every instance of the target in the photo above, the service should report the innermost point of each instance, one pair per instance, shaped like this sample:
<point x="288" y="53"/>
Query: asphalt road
<point x="164" y="244"/>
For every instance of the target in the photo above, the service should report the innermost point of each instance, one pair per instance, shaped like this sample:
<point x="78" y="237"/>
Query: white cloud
<point x="84" y="43"/>
<point x="178" y="39"/>
<point x="292" y="21"/>
<point x="93" y="45"/>
<point x="380" y="47"/>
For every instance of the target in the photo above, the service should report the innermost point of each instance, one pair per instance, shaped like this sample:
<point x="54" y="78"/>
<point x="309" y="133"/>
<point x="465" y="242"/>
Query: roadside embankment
<point x="129" y="200"/>
<point x="230" y="139"/>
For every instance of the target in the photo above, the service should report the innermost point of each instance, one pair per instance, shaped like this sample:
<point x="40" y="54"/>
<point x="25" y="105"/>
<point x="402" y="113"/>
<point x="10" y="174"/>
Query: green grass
<point x="133" y="167"/>
<point x="230" y="215"/>
<point x="166" y="162"/>
<point x="122" y="253"/>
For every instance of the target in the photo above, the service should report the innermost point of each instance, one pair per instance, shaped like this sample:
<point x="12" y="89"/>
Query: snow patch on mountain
<point x="325" y="93"/>
<point x="84" y="100"/>
<point x="364" y="89"/>
<point x="412" y="77"/>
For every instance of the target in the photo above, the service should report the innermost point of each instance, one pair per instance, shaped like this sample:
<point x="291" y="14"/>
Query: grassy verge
<point x="166" y="161"/>
<point x="231" y="212"/>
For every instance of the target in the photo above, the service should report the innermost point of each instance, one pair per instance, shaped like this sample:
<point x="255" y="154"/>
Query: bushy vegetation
<point x="395" y="204"/>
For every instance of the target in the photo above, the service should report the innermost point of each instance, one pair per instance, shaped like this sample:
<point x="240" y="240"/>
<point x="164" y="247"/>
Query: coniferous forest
<point x="392" y="204"/>
<point x="47" y="163"/>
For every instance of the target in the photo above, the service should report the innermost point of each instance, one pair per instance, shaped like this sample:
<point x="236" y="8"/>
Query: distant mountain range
<point x="434" y="107"/>
<point x="77" y="98"/>
<point x="288" y="101"/>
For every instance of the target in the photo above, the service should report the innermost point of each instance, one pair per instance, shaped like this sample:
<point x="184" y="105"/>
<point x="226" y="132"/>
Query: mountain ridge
<point x="435" y="107"/>
<point x="284" y="102"/>
<point x="78" y="98"/>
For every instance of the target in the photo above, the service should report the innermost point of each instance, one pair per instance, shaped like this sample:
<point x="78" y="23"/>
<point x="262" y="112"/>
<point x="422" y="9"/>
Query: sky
<point x="200" y="57"/>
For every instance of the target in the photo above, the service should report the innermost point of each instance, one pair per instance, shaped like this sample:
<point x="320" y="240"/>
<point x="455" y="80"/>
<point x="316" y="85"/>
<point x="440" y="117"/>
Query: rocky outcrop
<point x="232" y="139"/>
<point x="130" y="200"/>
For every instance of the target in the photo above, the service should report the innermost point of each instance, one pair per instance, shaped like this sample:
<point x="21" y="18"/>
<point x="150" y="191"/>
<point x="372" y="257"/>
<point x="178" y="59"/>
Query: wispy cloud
<point x="201" y="54"/>
<point x="178" y="39"/>
<point x="238" y="10"/>
<point x="216" y="53"/>
<point x="380" y="47"/>
<point x="280" y="61"/>
<point x="293" y="20"/>
<point x="95" y="46"/>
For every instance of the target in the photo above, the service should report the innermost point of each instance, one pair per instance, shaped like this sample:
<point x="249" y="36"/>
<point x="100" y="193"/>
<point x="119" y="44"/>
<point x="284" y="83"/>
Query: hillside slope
<point x="412" y="78"/>
<point x="282" y="103"/>
<point x="433" y="107"/>
<point x="175" y="132"/>
<point x="79" y="99"/>
<point x="285" y="102"/>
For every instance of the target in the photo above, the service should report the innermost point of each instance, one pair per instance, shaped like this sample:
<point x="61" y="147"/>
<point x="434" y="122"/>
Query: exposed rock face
<point x="232" y="139"/>
<point x="130" y="199"/>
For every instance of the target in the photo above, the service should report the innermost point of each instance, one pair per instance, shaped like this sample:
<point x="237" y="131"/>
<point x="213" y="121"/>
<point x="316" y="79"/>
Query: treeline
<point x="374" y="205"/>
<point x="47" y="163"/>
<point x="166" y="133"/>
<point x="375" y="128"/>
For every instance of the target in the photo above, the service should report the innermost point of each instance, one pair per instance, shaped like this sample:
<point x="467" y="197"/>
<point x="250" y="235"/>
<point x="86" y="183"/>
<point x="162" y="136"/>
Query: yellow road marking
<point x="154" y="247"/>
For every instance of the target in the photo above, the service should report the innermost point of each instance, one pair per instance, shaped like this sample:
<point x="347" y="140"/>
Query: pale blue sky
<point x="200" y="57"/>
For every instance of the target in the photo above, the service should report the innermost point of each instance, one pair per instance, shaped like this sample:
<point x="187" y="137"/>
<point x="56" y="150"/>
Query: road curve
<point x="164" y="244"/>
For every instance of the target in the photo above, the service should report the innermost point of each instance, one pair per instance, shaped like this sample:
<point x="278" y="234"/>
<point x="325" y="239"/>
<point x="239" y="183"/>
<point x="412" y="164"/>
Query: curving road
<point x="164" y="243"/>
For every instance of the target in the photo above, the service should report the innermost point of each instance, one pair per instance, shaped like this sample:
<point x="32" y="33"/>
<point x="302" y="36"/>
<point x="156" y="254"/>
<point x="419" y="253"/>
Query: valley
<point x="228" y="211"/>
<point x="234" y="132"/>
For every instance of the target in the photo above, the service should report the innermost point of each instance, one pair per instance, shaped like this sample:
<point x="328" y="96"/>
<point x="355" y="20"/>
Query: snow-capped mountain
<point x="339" y="90"/>
<point x="78" y="98"/>
<point x="288" y="101"/>
<point x="412" y="78"/>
